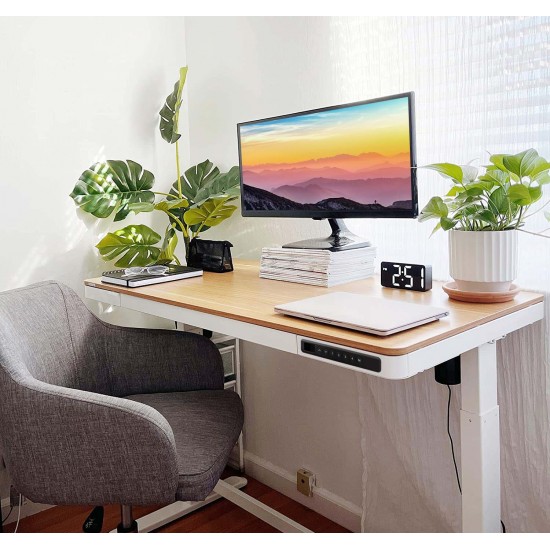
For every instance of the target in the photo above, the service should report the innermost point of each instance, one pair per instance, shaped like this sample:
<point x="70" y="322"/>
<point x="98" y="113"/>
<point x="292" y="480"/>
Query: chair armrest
<point x="157" y="361"/>
<point x="73" y="447"/>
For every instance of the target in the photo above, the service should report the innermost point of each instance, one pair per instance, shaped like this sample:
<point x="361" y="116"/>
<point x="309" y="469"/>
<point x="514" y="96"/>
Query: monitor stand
<point x="340" y="239"/>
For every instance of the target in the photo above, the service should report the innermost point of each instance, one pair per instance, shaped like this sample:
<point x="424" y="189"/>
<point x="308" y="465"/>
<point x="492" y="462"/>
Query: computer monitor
<point x="346" y="161"/>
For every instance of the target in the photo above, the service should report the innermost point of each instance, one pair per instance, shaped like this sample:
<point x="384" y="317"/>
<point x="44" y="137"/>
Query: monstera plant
<point x="199" y="198"/>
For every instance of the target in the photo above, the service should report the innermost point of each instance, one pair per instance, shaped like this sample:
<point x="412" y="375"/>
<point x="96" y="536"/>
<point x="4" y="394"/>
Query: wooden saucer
<point x="480" y="297"/>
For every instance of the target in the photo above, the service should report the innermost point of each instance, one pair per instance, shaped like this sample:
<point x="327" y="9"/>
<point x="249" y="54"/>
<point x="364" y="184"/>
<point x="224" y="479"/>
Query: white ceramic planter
<point x="483" y="261"/>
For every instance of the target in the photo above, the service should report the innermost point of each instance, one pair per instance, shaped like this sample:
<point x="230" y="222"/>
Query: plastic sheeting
<point x="409" y="482"/>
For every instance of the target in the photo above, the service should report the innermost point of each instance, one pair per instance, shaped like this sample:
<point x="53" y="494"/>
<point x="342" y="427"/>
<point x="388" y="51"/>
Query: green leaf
<point x="169" y="113"/>
<point x="469" y="210"/>
<point x="447" y="170"/>
<point x="114" y="186"/>
<point x="228" y="184"/>
<point x="543" y="178"/>
<point x="474" y="190"/>
<point x="519" y="194"/>
<point x="447" y="223"/>
<point x="133" y="246"/>
<point x="435" y="208"/>
<point x="436" y="228"/>
<point x="521" y="164"/>
<point x="454" y="191"/>
<point x="498" y="201"/>
<point x="486" y="216"/>
<point x="209" y="213"/>
<point x="536" y="193"/>
<point x="168" y="246"/>
<point x="495" y="177"/>
<point x="497" y="161"/>
<point x="195" y="178"/>
<point x="541" y="166"/>
<point x="167" y="205"/>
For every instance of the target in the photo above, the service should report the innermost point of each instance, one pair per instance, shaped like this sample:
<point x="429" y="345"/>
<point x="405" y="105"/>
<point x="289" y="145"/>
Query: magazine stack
<point x="317" y="267"/>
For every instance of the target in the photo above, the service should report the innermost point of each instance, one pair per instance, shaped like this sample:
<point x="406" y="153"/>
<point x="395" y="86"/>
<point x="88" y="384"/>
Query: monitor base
<point x="340" y="239"/>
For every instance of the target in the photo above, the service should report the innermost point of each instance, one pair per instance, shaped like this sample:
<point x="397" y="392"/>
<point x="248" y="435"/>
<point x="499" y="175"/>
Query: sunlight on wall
<point x="34" y="258"/>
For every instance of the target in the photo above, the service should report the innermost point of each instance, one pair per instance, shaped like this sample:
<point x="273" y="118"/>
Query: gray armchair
<point x="92" y="413"/>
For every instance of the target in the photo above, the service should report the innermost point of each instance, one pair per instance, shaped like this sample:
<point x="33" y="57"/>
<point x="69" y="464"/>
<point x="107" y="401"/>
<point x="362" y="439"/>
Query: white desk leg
<point x="480" y="441"/>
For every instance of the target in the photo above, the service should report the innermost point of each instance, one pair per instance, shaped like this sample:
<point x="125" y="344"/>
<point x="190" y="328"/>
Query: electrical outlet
<point x="305" y="481"/>
<point x="14" y="497"/>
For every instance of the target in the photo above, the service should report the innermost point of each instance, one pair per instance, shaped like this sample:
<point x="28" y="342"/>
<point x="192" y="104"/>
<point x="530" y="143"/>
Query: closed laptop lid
<point x="370" y="314"/>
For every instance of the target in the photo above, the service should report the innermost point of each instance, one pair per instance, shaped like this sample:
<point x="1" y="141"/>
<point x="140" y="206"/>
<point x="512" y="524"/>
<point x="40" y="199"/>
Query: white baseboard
<point x="324" y="502"/>
<point x="28" y="509"/>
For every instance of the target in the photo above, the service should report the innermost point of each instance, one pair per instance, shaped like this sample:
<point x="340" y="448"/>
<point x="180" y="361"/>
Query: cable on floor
<point x="19" y="512"/>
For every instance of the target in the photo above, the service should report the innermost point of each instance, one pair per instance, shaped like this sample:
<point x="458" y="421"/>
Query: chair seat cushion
<point x="206" y="426"/>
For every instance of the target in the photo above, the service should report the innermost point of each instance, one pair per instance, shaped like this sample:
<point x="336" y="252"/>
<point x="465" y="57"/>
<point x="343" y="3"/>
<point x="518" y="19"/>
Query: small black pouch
<point x="210" y="255"/>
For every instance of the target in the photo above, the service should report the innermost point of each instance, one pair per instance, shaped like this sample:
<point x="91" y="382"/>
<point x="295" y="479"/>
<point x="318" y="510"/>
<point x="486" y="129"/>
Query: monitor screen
<point x="347" y="161"/>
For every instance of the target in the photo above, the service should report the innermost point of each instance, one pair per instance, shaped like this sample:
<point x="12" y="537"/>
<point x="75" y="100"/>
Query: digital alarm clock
<point x="406" y="276"/>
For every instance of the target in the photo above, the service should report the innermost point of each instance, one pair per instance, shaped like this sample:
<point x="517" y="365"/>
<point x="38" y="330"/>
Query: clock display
<point x="406" y="276"/>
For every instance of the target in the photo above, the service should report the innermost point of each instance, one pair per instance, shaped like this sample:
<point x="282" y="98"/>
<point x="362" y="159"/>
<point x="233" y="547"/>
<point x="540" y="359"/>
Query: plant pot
<point x="483" y="261"/>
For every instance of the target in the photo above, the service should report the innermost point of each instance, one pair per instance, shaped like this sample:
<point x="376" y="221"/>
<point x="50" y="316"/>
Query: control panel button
<point x="339" y="355"/>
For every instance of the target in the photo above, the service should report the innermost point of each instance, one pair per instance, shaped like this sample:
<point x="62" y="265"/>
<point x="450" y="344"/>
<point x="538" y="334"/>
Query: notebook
<point x="174" y="273"/>
<point x="378" y="316"/>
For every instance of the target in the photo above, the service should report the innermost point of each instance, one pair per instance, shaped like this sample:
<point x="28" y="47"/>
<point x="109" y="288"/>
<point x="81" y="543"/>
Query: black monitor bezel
<point x="394" y="213"/>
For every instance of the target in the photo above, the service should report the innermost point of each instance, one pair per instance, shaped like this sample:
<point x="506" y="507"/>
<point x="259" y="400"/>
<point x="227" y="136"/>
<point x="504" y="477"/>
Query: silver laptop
<point x="378" y="316"/>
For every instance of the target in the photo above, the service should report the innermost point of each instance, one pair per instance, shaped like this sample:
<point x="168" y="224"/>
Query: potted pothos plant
<point x="483" y="213"/>
<point x="199" y="199"/>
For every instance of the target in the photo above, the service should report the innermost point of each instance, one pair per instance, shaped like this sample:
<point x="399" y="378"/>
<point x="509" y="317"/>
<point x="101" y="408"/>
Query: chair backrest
<point x="47" y="333"/>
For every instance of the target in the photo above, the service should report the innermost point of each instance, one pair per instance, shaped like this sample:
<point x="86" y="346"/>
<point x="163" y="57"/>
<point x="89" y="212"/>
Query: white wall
<point x="298" y="412"/>
<point x="73" y="91"/>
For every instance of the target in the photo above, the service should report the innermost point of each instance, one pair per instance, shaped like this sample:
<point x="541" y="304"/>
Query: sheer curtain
<point x="482" y="86"/>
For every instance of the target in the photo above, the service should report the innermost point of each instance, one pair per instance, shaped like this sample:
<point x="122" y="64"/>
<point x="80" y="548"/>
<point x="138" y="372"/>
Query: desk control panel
<point x="339" y="355"/>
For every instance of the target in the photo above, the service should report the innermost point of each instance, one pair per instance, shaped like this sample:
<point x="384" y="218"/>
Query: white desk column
<point x="480" y="441"/>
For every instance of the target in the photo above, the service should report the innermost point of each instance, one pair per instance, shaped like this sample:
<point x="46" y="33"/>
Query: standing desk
<point x="240" y="304"/>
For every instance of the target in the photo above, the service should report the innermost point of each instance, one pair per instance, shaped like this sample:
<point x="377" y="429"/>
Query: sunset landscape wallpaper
<point x="347" y="158"/>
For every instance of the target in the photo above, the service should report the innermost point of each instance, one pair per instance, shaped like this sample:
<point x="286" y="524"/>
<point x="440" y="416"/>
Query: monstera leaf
<point x="168" y="205"/>
<point x="209" y="213"/>
<point x="224" y="184"/>
<point x="170" y="111"/>
<point x="196" y="178"/>
<point x="134" y="245"/>
<point x="167" y="253"/>
<point x="114" y="186"/>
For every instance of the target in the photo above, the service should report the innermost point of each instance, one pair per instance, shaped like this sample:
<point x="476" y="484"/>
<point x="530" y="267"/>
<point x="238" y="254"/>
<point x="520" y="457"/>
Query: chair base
<point x="229" y="489"/>
<point x="133" y="528"/>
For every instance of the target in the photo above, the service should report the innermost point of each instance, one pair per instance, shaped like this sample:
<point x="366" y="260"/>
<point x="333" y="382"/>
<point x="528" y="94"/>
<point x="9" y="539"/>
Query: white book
<point x="316" y="267"/>
<point x="174" y="273"/>
<point x="316" y="274"/>
<point x="309" y="278"/>
<point x="321" y="256"/>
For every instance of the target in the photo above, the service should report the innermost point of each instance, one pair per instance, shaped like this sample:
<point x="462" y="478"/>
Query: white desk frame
<point x="479" y="414"/>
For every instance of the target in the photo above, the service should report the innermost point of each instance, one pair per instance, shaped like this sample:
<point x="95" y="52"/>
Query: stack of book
<point x="317" y="267"/>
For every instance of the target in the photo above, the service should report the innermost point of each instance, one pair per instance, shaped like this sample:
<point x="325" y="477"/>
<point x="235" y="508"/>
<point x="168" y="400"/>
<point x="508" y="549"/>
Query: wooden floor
<point x="219" y="517"/>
